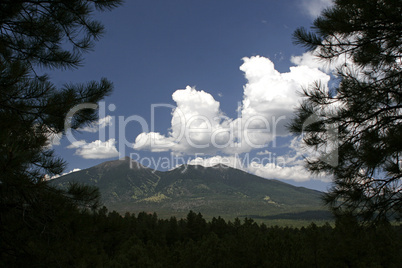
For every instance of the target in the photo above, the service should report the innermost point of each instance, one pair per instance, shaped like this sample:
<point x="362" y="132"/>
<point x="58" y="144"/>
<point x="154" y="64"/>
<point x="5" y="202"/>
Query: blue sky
<point x="205" y="69"/>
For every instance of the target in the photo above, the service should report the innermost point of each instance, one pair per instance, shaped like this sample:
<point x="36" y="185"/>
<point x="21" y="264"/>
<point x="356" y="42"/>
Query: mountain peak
<point x="126" y="158"/>
<point x="198" y="166"/>
<point x="124" y="161"/>
<point x="220" y="166"/>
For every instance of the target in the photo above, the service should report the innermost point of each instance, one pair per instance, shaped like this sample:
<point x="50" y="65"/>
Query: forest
<point x="108" y="239"/>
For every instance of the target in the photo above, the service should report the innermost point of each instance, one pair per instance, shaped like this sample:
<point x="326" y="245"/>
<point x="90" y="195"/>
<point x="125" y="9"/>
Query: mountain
<point x="125" y="185"/>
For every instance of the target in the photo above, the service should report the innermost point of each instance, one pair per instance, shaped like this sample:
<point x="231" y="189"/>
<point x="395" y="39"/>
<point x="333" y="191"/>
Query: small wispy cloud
<point x="57" y="176"/>
<point x="95" y="150"/>
<point x="313" y="8"/>
<point x="96" y="126"/>
<point x="266" y="152"/>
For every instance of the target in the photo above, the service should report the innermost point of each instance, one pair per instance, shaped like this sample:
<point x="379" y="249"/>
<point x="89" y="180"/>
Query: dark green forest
<point x="107" y="239"/>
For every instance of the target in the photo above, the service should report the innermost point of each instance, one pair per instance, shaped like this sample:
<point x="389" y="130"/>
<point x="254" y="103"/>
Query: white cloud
<point x="57" y="176"/>
<point x="342" y="63"/>
<point x="313" y="8"/>
<point x="230" y="161"/>
<point x="311" y="60"/>
<point x="96" y="126"/>
<point x="96" y="149"/>
<point x="272" y="171"/>
<point x="275" y="95"/>
<point x="266" y="152"/>
<point x="76" y="144"/>
<point x="199" y="126"/>
<point x="154" y="142"/>
<point x="53" y="139"/>
<point x="308" y="59"/>
<point x="286" y="167"/>
<point x="267" y="165"/>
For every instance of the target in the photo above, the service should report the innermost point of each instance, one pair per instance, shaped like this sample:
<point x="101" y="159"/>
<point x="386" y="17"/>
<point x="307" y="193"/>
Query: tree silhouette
<point x="365" y="109"/>
<point x="36" y="36"/>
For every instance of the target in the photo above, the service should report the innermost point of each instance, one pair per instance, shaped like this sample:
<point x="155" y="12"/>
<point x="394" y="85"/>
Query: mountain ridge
<point x="220" y="190"/>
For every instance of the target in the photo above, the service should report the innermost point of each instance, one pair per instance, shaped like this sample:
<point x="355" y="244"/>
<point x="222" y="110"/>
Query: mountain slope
<point x="118" y="180"/>
<point x="214" y="191"/>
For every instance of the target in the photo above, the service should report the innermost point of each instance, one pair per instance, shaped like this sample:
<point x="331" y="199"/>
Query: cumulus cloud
<point x="154" y="142"/>
<point x="268" y="165"/>
<point x="342" y="63"/>
<point x="313" y="8"/>
<point x="286" y="167"/>
<point x="96" y="149"/>
<point x="230" y="161"/>
<point x="199" y="126"/>
<point x="275" y="95"/>
<point x="310" y="59"/>
<point x="76" y="144"/>
<point x="96" y="126"/>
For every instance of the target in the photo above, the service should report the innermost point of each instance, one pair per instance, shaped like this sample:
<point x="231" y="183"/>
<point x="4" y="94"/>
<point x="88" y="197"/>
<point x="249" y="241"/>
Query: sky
<point x="199" y="82"/>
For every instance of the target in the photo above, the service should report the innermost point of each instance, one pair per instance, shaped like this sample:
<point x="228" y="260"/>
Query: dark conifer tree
<point x="36" y="36"/>
<point x="365" y="109"/>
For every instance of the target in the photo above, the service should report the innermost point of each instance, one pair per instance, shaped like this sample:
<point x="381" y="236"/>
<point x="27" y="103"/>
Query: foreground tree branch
<point x="366" y="106"/>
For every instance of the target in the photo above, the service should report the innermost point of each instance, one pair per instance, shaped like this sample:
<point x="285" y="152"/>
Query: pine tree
<point x="365" y="108"/>
<point x="36" y="36"/>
